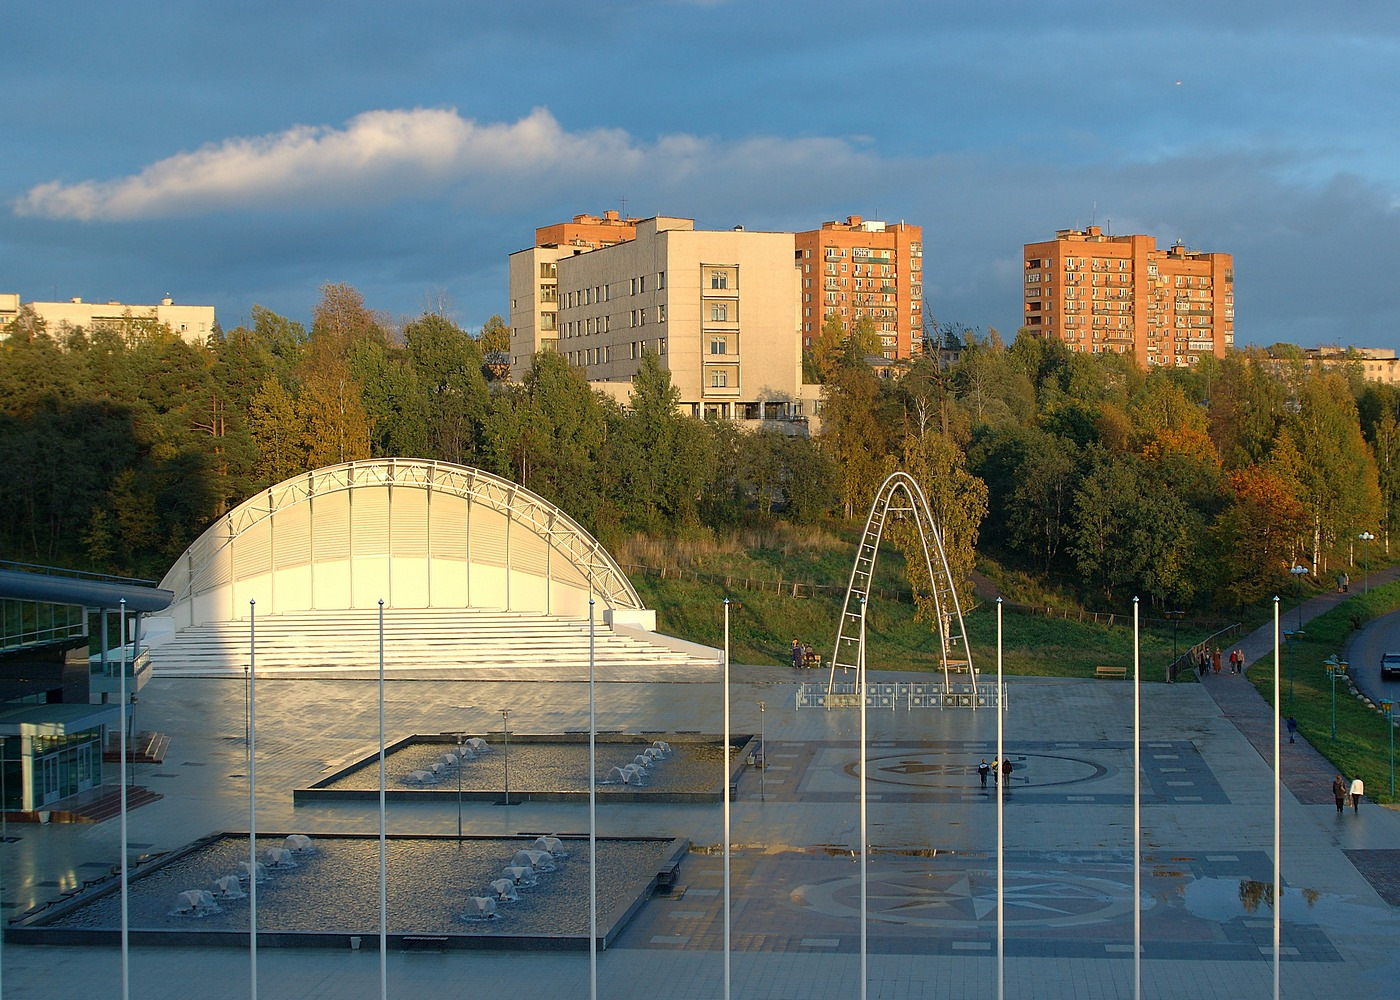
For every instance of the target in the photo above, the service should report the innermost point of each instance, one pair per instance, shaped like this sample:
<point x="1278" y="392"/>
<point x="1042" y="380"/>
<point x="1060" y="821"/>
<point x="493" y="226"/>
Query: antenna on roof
<point x="622" y="202"/>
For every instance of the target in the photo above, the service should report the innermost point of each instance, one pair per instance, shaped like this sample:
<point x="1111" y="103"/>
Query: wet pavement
<point x="1206" y="847"/>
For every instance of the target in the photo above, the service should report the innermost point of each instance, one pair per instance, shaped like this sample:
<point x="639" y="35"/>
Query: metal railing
<point x="895" y="695"/>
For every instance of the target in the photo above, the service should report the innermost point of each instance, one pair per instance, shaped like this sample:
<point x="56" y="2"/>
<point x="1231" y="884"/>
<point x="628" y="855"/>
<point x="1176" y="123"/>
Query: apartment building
<point x="864" y="268"/>
<point x="719" y="308"/>
<point x="191" y="323"/>
<point x="1101" y="293"/>
<point x="534" y="280"/>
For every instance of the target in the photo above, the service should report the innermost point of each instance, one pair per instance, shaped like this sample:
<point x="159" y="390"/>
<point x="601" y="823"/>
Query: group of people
<point x="1208" y="660"/>
<point x="1341" y="790"/>
<point x="804" y="656"/>
<point x="997" y="769"/>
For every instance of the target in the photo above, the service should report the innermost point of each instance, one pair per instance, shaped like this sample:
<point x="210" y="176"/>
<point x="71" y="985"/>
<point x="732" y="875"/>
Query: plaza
<point x="1207" y="836"/>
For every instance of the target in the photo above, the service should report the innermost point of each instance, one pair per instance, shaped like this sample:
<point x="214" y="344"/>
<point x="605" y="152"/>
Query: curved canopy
<point x="408" y="532"/>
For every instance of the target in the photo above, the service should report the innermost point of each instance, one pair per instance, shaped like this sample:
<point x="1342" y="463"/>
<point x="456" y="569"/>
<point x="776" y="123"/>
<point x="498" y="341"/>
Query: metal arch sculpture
<point x="516" y="502"/>
<point x="850" y="633"/>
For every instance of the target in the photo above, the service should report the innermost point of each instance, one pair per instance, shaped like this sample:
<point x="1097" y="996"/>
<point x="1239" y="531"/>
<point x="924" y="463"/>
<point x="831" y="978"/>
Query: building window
<point x="642" y="283"/>
<point x="719" y="379"/>
<point x="719" y="312"/>
<point x="661" y="313"/>
<point x="660" y="280"/>
<point x="719" y="345"/>
<point x="719" y="279"/>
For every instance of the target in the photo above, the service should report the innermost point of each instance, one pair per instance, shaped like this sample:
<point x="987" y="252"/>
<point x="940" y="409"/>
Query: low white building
<point x="191" y="323"/>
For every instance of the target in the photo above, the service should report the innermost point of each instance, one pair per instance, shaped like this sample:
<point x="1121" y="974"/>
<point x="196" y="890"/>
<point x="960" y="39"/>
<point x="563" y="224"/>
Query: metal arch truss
<point x="525" y="508"/>
<point x="900" y="496"/>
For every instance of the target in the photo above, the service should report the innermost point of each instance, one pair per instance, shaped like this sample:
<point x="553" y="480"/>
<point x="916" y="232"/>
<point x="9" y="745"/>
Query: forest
<point x="1091" y="477"/>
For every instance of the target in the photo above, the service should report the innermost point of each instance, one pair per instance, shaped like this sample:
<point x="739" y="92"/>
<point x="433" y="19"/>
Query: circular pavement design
<point x="937" y="768"/>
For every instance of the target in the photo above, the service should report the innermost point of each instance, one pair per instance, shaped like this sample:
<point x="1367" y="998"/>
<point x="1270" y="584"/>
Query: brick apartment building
<point x="1101" y="293"/>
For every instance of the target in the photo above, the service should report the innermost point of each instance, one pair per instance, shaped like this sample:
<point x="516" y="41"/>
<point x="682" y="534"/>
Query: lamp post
<point x="505" y="728"/>
<point x="1299" y="571"/>
<point x="1289" y="638"/>
<point x="461" y="739"/>
<point x="1335" y="669"/>
<point x="1175" y="618"/>
<point x="1388" y="707"/>
<point x="1368" y="538"/>
<point x="763" y="750"/>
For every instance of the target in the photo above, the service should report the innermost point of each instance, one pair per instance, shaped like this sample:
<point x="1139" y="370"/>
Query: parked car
<point x="1390" y="666"/>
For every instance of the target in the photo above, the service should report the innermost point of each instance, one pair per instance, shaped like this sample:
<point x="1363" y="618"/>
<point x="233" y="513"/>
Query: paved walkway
<point x="1306" y="772"/>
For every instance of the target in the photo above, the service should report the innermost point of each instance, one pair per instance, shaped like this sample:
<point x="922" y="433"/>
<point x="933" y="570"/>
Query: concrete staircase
<point x="503" y="643"/>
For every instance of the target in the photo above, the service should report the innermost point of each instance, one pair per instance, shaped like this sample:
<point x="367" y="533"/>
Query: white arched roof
<point x="410" y="532"/>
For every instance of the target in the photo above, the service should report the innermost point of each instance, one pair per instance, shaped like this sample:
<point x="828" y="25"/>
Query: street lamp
<point x="1368" y="538"/>
<point x="1335" y="668"/>
<point x="1289" y="638"/>
<point x="505" y="727"/>
<point x="763" y="750"/>
<point x="1299" y="572"/>
<point x="1174" y="617"/>
<point x="1388" y="707"/>
<point x="461" y="740"/>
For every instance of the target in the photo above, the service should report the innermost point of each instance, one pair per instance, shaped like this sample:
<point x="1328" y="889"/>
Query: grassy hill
<point x="790" y="583"/>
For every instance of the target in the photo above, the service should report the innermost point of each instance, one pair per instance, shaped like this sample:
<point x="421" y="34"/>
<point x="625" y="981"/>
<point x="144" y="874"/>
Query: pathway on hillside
<point x="1307" y="773"/>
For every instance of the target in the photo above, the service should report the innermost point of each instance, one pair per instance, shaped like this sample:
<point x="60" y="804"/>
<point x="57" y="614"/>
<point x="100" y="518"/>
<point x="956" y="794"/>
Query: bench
<point x="425" y="942"/>
<point x="1116" y="673"/>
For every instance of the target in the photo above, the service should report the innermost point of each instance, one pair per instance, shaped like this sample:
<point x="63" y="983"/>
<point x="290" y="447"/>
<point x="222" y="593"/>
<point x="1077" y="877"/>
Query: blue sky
<point x="236" y="154"/>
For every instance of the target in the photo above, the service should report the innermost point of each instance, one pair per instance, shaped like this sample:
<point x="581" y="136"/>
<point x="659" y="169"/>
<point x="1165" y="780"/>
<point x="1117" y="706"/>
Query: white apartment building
<point x="192" y="323"/>
<point x="720" y="308"/>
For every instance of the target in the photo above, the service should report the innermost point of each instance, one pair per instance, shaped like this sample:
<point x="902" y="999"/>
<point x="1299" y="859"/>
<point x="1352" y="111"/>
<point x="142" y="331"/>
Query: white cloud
<point x="378" y="156"/>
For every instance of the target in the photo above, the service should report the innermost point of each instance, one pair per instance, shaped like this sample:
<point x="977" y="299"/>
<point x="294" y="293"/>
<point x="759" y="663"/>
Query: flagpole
<point x="1137" y="806"/>
<point x="592" y="814"/>
<point x="252" y="803"/>
<point x="1001" y="829"/>
<point x="383" y="853"/>
<point x="126" y="920"/>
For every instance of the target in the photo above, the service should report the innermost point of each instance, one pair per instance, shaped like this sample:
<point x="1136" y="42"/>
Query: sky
<point x="242" y="154"/>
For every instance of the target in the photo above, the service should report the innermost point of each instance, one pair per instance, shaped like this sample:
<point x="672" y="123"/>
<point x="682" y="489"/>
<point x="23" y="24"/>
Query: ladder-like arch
<point x="901" y="495"/>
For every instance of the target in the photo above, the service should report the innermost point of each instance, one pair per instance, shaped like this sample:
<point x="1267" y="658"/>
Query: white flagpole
<point x="1278" y="803"/>
<point x="592" y="815"/>
<point x="864" y="842"/>
<point x="252" y="803"/>
<point x="383" y="865"/>
<point x="1137" y="807"/>
<point x="126" y="921"/>
<point x="1001" y="829"/>
<point x="725" y="792"/>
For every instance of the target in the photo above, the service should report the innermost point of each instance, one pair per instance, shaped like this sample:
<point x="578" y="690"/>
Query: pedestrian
<point x="1339" y="792"/>
<point x="1358" y="789"/>
<point x="1201" y="663"/>
<point x="1292" y="729"/>
<point x="1216" y="658"/>
<point x="1239" y="661"/>
<point x="996" y="771"/>
<point x="1006" y="771"/>
<point x="982" y="770"/>
<point x="797" y="655"/>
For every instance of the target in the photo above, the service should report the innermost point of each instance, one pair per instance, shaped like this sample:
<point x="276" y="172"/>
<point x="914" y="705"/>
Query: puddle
<point x="1222" y="900"/>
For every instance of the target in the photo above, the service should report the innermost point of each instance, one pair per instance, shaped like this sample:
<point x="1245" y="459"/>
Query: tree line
<point x="1189" y="487"/>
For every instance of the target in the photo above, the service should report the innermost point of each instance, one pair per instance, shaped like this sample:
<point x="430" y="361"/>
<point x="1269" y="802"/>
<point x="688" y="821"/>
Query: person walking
<point x="1216" y="658"/>
<point x="1292" y="729"/>
<point x="797" y="655"/>
<point x="1339" y="792"/>
<point x="1006" y="772"/>
<point x="983" y="769"/>
<point x="1358" y="789"/>
<point x="996" y="771"/>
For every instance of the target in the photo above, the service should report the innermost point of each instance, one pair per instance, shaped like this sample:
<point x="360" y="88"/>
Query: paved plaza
<point x="1207" y="835"/>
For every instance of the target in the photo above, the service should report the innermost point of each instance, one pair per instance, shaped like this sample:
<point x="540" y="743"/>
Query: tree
<point x="494" y="336"/>
<point x="957" y="502"/>
<point x="278" y="433"/>
<point x="330" y="411"/>
<point x="1255" y="534"/>
<point x="854" y="433"/>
